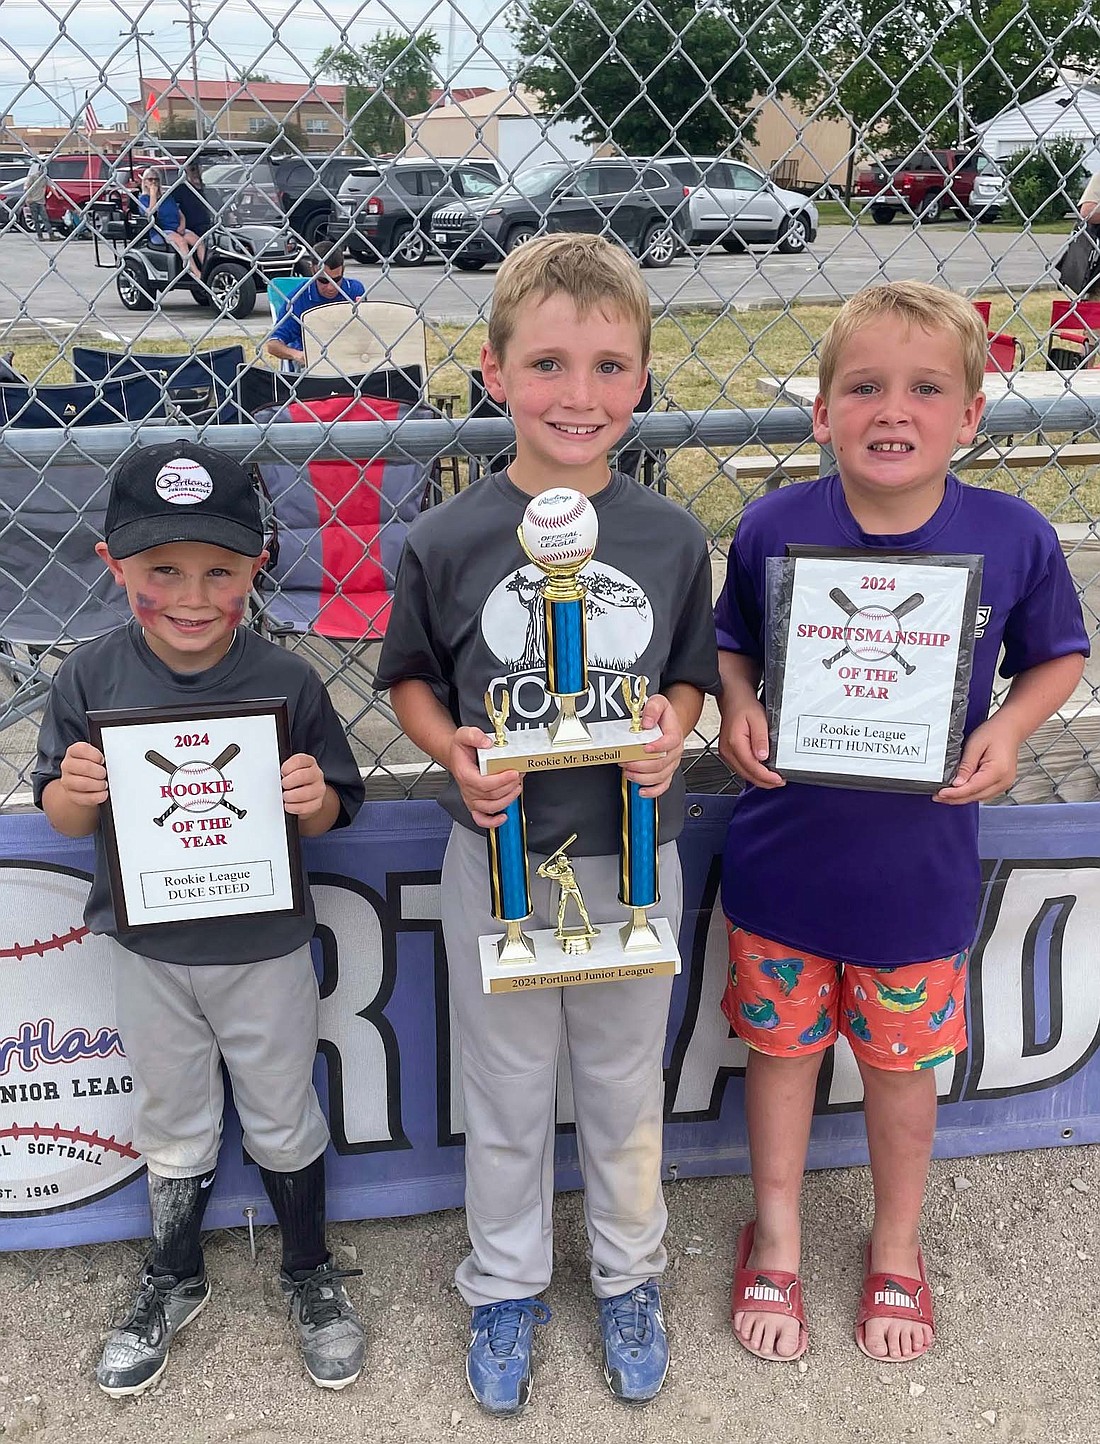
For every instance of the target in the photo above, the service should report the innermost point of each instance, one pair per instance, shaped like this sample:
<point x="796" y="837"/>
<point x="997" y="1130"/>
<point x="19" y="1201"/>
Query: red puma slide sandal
<point x="771" y="1292"/>
<point x="890" y="1296"/>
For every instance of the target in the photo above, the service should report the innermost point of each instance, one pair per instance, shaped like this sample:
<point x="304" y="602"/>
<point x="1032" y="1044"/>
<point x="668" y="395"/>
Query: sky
<point x="51" y="53"/>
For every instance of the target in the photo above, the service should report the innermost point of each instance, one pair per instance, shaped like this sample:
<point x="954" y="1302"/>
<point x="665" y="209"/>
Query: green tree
<point x="652" y="75"/>
<point x="178" y="127"/>
<point x="387" y="80"/>
<point x="1047" y="182"/>
<point x="894" y="69"/>
<point x="257" y="77"/>
<point x="288" y="133"/>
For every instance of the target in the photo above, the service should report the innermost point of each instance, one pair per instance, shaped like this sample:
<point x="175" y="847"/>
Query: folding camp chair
<point x="1006" y="352"/>
<point x="341" y="525"/>
<point x="198" y="387"/>
<point x="279" y="292"/>
<point x="54" y="590"/>
<point x="85" y="403"/>
<point x="1074" y="338"/>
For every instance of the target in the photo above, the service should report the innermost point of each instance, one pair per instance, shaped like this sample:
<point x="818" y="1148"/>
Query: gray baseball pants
<point x="177" y="1024"/>
<point x="509" y="1053"/>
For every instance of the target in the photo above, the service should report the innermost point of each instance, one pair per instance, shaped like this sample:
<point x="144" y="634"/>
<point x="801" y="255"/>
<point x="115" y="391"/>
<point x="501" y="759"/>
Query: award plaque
<point x="194" y="824"/>
<point x="867" y="667"/>
<point x="558" y="534"/>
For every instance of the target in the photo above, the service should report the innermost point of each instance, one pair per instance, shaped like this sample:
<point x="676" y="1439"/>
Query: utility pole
<point x="200" y="114"/>
<point x="139" y="35"/>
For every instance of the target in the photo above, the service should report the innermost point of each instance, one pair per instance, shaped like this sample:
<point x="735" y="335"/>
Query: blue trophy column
<point x="508" y="876"/>
<point x="566" y="669"/>
<point x="638" y="879"/>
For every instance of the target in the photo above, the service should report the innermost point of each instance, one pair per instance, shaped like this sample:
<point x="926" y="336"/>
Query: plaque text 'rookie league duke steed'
<point x="867" y="668"/>
<point x="558" y="534"/>
<point x="194" y="823"/>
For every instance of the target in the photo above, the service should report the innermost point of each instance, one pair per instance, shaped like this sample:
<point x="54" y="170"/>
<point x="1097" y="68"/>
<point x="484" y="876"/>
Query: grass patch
<point x="836" y="213"/>
<point x="702" y="362"/>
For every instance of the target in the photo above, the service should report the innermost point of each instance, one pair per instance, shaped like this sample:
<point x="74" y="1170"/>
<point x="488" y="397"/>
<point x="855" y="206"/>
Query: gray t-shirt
<point x="119" y="670"/>
<point x="467" y="615"/>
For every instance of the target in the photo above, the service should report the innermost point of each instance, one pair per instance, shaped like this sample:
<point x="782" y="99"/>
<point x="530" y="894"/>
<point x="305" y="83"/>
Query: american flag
<point x="91" y="122"/>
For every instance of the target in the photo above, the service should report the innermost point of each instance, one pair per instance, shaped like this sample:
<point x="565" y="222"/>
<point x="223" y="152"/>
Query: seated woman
<point x="170" y="225"/>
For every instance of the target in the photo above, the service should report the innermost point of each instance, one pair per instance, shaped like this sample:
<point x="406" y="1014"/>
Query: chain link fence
<point x="168" y="177"/>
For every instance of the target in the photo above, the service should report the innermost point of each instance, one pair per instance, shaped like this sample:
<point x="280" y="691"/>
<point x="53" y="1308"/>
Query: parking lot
<point x="60" y="283"/>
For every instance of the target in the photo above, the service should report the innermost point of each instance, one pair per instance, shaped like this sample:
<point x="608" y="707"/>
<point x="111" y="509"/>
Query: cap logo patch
<point x="183" y="482"/>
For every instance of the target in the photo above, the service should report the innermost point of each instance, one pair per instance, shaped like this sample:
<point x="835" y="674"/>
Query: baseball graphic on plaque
<point x="558" y="534"/>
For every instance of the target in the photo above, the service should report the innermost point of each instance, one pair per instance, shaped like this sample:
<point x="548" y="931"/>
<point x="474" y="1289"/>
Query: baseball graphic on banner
<point x="65" y="1087"/>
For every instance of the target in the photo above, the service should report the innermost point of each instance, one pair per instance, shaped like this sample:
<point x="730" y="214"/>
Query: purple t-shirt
<point x="884" y="878"/>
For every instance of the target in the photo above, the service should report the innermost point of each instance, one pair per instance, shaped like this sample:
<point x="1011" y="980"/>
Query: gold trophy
<point x="558" y="534"/>
<point x="557" y="868"/>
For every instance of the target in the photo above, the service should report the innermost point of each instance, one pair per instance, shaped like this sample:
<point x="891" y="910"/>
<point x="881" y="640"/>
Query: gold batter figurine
<point x="498" y="719"/>
<point x="635" y="700"/>
<point x="557" y="868"/>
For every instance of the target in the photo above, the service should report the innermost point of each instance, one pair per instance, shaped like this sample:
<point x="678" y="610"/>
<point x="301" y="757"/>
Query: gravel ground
<point x="1011" y="1245"/>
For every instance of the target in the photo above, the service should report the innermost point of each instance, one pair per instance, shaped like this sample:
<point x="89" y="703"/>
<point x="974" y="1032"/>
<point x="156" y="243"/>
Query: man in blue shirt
<point x="328" y="285"/>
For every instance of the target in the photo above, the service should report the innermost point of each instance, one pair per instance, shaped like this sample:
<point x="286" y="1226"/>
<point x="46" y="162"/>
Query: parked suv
<point x="382" y="209"/>
<point x="78" y="180"/>
<point x="730" y="202"/>
<point x="929" y="182"/>
<point x="640" y="204"/>
<point x="299" y="189"/>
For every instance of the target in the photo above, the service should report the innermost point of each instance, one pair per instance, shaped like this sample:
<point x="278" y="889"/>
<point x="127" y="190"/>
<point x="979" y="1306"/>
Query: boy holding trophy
<point x="567" y="351"/>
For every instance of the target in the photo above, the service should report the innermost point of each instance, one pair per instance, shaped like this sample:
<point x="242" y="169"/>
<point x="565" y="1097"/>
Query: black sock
<point x="178" y="1206"/>
<point x="299" y="1203"/>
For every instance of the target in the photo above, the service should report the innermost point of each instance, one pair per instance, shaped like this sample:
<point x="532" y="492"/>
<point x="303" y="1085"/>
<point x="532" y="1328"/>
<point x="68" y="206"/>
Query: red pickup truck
<point x="926" y="183"/>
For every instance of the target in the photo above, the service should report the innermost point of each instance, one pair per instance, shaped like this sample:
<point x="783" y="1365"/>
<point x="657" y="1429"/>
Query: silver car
<point x="730" y="202"/>
<point x="990" y="196"/>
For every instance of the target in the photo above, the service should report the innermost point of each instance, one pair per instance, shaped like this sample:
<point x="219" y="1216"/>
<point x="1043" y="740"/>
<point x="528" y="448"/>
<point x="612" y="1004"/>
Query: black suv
<point x="642" y="205"/>
<point x="382" y="208"/>
<point x="299" y="189"/>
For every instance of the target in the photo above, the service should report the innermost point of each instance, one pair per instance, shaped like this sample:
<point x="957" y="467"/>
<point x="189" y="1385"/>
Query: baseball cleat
<point x="136" y="1352"/>
<point x="635" y="1345"/>
<point x="498" y="1360"/>
<point x="330" y="1333"/>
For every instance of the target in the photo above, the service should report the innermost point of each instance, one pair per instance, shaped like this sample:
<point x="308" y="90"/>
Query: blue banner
<point x="386" y="1062"/>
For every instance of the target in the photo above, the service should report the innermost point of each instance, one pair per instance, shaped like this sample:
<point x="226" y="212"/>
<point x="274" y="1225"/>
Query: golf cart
<point x="239" y="260"/>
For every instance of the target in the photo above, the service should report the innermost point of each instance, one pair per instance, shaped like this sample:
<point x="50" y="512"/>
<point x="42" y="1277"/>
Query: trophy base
<point x="605" y="962"/>
<point x="533" y="751"/>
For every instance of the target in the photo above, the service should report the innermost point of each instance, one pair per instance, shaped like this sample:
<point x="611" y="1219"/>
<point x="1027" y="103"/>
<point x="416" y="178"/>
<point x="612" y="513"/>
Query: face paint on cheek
<point x="235" y="610"/>
<point x="146" y="608"/>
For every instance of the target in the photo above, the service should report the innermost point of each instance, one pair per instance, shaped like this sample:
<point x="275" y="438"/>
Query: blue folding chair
<point x="200" y="386"/>
<point x="279" y="292"/>
<point x="54" y="590"/>
<point x="84" y="403"/>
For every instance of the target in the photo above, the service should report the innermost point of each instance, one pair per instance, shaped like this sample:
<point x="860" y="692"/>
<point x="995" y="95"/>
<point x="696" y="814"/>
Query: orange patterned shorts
<point x="786" y="1003"/>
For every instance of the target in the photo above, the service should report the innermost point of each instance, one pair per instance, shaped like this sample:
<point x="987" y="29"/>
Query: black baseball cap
<point x="181" y="491"/>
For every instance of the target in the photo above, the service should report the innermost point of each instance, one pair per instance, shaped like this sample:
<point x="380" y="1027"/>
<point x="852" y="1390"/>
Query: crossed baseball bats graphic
<point x="901" y="610"/>
<point x="171" y="768"/>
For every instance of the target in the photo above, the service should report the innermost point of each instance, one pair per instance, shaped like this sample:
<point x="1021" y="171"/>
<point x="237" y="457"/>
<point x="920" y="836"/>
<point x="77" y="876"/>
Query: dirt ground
<point x="1011" y="1245"/>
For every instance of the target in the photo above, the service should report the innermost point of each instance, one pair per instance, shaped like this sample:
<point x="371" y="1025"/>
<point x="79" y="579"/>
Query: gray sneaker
<point x="136" y="1352"/>
<point x="329" y="1330"/>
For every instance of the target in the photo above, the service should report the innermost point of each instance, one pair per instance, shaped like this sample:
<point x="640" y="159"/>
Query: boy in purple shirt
<point x="877" y="952"/>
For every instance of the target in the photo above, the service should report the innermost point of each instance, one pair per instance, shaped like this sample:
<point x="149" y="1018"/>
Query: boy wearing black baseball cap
<point x="184" y="538"/>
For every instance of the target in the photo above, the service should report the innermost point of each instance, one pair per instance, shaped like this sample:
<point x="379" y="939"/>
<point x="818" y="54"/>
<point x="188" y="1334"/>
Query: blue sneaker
<point x="635" y="1345"/>
<point x="498" y="1360"/>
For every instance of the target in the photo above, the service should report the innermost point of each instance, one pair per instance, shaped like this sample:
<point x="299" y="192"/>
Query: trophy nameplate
<point x="533" y="751"/>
